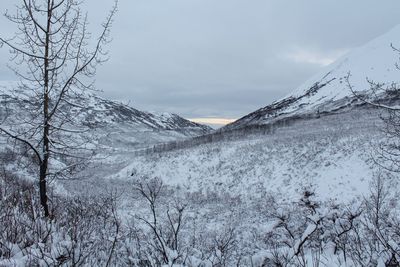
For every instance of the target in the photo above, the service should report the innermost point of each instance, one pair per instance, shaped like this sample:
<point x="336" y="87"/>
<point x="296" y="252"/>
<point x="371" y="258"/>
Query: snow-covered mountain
<point x="117" y="125"/>
<point x="125" y="128"/>
<point x="102" y="111"/>
<point x="328" y="91"/>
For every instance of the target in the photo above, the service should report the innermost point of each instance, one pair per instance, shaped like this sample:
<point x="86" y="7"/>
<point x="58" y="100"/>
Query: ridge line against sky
<point x="222" y="59"/>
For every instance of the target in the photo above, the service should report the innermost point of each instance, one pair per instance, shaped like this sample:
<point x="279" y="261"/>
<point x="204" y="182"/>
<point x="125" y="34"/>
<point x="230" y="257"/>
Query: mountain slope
<point x="104" y="111"/>
<point x="328" y="91"/>
<point x="125" y="128"/>
<point x="117" y="126"/>
<point x="332" y="155"/>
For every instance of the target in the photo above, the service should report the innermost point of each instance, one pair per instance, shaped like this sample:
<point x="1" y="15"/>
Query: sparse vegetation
<point x="304" y="189"/>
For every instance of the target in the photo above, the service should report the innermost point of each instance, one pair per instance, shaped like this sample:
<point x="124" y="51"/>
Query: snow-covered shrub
<point x="159" y="232"/>
<point x="172" y="227"/>
<point x="82" y="232"/>
<point x="376" y="235"/>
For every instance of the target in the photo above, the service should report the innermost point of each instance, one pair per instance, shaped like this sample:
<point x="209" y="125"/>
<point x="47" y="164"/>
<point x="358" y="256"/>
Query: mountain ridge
<point x="116" y="125"/>
<point x="328" y="90"/>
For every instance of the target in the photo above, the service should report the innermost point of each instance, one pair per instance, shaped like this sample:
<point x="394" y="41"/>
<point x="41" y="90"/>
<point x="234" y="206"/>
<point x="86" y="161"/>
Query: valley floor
<point x="300" y="196"/>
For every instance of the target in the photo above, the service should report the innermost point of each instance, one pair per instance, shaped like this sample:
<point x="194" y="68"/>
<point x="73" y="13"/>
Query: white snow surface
<point x="332" y="155"/>
<point x="375" y="60"/>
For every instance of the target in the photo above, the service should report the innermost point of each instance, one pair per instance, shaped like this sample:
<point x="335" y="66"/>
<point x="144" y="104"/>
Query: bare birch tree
<point x="55" y="59"/>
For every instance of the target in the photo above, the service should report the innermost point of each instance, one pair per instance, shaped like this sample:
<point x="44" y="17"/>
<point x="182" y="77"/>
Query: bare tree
<point x="55" y="59"/>
<point x="385" y="96"/>
<point x="164" y="239"/>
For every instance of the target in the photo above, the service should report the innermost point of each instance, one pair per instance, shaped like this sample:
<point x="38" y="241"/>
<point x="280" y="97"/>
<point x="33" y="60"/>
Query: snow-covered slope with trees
<point x="328" y="91"/>
<point x="332" y="155"/>
<point x="116" y="125"/>
<point x="127" y="128"/>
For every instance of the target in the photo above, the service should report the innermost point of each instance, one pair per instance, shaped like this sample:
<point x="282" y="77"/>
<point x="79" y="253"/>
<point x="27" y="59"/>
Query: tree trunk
<point x="46" y="123"/>
<point x="43" y="190"/>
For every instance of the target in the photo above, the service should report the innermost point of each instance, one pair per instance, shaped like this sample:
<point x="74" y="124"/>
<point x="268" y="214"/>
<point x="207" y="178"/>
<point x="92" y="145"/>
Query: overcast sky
<point x="223" y="58"/>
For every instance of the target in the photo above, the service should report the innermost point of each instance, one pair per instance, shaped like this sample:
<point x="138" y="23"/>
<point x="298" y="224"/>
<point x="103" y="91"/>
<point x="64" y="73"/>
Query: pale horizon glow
<point x="213" y="121"/>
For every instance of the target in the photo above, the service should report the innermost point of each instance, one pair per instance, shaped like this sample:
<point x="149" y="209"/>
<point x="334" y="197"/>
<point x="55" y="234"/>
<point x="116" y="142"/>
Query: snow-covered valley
<point x="304" y="181"/>
<point x="240" y="191"/>
<point x="332" y="154"/>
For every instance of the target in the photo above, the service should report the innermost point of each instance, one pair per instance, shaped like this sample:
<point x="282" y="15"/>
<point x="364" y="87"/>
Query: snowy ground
<point x="237" y="184"/>
<point x="240" y="192"/>
<point x="241" y="196"/>
<point x="332" y="154"/>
